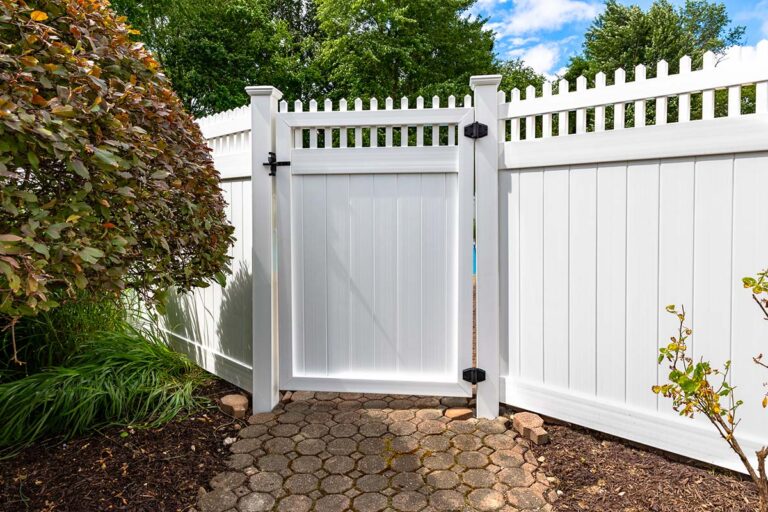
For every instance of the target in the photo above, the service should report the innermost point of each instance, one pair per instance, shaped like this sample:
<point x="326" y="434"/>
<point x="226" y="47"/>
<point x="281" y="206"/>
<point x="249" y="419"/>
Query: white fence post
<point x="265" y="363"/>
<point x="487" y="217"/>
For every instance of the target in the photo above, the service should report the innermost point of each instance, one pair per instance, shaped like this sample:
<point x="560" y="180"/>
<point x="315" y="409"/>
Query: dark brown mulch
<point x="149" y="470"/>
<point x="600" y="473"/>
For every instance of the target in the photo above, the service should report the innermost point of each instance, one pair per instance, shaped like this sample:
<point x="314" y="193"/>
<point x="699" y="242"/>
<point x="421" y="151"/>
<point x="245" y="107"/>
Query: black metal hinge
<point x="476" y="130"/>
<point x="274" y="164"/>
<point x="473" y="375"/>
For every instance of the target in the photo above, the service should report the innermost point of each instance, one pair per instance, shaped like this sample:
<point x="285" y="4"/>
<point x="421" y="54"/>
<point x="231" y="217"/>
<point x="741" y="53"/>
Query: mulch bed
<point x="147" y="470"/>
<point x="596" y="472"/>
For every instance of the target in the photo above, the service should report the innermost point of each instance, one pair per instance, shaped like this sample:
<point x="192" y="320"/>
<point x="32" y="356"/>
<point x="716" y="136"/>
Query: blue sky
<point x="545" y="33"/>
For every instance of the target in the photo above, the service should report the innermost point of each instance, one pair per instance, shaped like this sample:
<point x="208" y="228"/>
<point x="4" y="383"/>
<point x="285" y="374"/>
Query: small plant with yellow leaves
<point x="695" y="387"/>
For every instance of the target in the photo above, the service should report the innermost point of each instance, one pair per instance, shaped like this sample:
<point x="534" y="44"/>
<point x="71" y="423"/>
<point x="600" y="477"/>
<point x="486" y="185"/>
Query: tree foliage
<point x="318" y="48"/>
<point x="401" y="48"/>
<point x="213" y="50"/>
<point x="105" y="182"/>
<point x="625" y="36"/>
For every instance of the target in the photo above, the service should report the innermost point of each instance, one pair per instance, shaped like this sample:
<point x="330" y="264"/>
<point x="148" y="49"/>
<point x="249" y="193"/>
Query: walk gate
<point x="374" y="225"/>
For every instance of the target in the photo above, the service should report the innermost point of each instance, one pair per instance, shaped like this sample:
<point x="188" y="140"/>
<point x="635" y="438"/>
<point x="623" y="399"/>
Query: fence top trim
<point x="741" y="67"/>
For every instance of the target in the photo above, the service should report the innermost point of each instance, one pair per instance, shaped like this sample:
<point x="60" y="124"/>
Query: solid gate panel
<point x="373" y="277"/>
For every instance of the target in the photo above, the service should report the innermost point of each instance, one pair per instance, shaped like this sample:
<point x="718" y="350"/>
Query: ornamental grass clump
<point x="126" y="377"/>
<point x="696" y="387"/>
<point x="106" y="183"/>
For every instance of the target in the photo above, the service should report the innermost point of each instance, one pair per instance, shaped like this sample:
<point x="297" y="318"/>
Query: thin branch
<point x="760" y="304"/>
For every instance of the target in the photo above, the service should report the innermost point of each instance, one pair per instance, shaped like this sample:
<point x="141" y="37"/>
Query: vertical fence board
<point x="385" y="252"/>
<point x="409" y="289"/>
<point x="711" y="309"/>
<point x="337" y="265"/>
<point x="676" y="211"/>
<point x="556" y="272"/>
<point x="642" y="282"/>
<point x="315" y="275"/>
<point x="582" y="288"/>
<point x="361" y="299"/>
<point x="434" y="297"/>
<point x="750" y="255"/>
<point x="532" y="275"/>
<point x="611" y="280"/>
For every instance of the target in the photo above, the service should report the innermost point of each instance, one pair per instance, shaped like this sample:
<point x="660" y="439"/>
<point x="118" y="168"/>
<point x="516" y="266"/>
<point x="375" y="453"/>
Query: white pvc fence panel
<point x="600" y="231"/>
<point x="213" y="325"/>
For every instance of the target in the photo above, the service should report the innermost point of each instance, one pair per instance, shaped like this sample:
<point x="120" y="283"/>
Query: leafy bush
<point x="105" y="182"/>
<point x="125" y="377"/>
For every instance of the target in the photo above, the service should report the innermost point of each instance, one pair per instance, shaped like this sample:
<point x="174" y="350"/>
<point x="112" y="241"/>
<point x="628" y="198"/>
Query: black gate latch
<point x="476" y="130"/>
<point x="473" y="375"/>
<point x="273" y="163"/>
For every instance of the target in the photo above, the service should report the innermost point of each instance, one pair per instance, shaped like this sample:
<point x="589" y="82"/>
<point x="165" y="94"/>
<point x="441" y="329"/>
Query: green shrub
<point x="106" y="183"/>
<point x="126" y="377"/>
<point x="46" y="339"/>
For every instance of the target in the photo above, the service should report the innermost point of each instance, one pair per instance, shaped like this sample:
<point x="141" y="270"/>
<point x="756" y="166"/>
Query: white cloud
<point x="541" y="57"/>
<point x="530" y="16"/>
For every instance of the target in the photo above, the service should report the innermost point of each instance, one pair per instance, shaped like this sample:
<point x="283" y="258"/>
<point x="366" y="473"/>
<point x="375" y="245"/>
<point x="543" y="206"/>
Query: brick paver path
<point x="332" y="452"/>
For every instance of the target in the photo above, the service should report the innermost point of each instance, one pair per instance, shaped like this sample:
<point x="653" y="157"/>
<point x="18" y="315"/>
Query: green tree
<point x="106" y="183"/>
<point x="625" y="36"/>
<point x="401" y="47"/>
<point x="212" y="50"/>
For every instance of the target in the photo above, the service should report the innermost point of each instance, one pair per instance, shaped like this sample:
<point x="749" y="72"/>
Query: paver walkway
<point x="332" y="452"/>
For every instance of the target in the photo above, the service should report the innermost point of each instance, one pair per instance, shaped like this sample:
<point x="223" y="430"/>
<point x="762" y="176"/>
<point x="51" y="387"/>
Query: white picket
<point x="562" y="116"/>
<point x="515" y="124"/>
<point x="640" y="104"/>
<point x="708" y="95"/>
<point x="530" y="121"/>
<point x="662" y="70"/>
<point x="546" y="118"/>
<point x="684" y="102"/>
<point x="435" y="128"/>
<point x="388" y="105"/>
<point x="581" y="113"/>
<point x="600" y="109"/>
<point x="619" y="109"/>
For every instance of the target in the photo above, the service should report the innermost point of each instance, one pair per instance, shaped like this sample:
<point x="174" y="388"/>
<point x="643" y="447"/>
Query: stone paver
<point x="373" y="453"/>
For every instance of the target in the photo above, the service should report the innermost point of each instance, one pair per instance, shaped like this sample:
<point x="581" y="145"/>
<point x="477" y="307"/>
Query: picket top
<point x="740" y="67"/>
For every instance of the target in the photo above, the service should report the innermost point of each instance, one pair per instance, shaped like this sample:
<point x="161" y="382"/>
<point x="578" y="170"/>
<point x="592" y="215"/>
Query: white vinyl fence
<point x="595" y="208"/>
<point x="213" y="325"/>
<point x="601" y="229"/>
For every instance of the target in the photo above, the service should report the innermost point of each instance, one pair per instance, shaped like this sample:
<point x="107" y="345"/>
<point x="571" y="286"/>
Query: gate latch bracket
<point x="274" y="164"/>
<point x="476" y="130"/>
<point x="473" y="375"/>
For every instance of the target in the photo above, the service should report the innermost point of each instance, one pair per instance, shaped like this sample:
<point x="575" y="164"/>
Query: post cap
<point x="479" y="80"/>
<point x="264" y="90"/>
